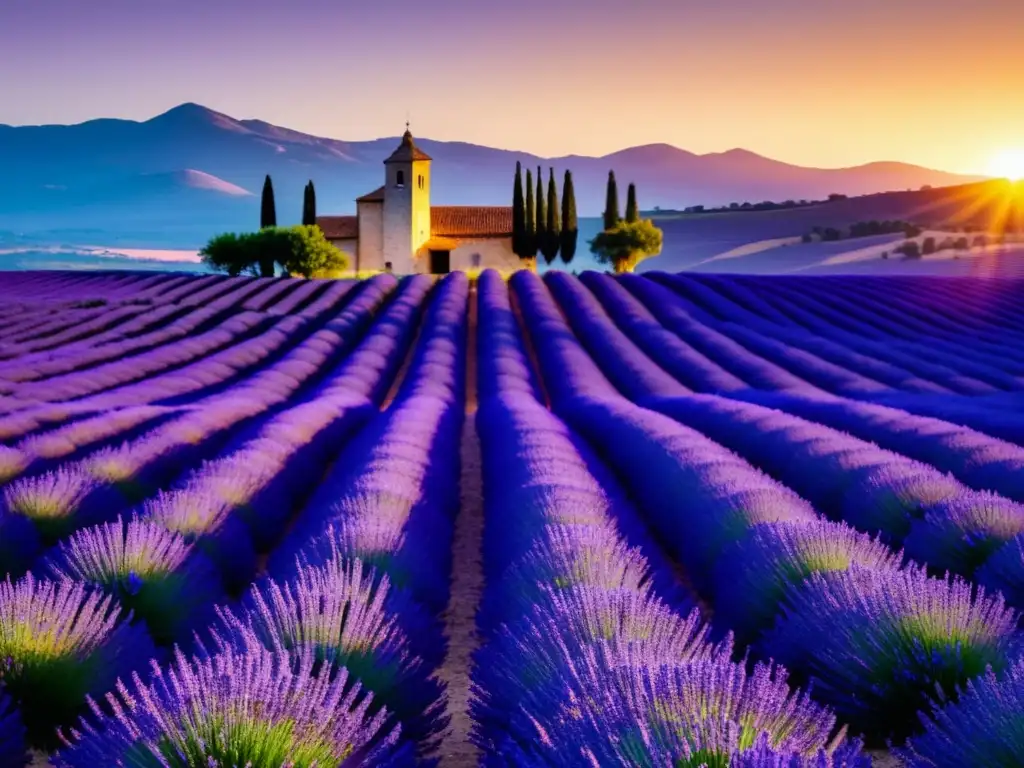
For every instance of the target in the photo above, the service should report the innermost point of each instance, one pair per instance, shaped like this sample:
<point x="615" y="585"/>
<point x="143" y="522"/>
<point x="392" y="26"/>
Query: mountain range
<point x="192" y="171"/>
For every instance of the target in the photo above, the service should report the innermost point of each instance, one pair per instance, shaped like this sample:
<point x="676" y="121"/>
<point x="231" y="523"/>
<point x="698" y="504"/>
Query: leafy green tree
<point x="309" y="205"/>
<point x="627" y="244"/>
<point x="632" y="211"/>
<point x="570" y="226"/>
<point x="301" y="250"/>
<point x="542" y="215"/>
<point x="268" y="211"/>
<point x="553" y="229"/>
<point x="304" y="251"/>
<point x="231" y="253"/>
<point x="611" y="203"/>
<point x="518" y="215"/>
<point x="530" y="242"/>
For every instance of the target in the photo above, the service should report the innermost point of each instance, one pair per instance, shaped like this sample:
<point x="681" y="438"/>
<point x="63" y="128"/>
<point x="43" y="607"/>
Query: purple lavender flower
<point x="259" y="708"/>
<point x="751" y="577"/>
<point x="152" y="571"/>
<point x="12" y="462"/>
<point x="881" y="644"/>
<point x="566" y="556"/>
<point x="960" y="533"/>
<point x="51" y="501"/>
<point x="205" y="520"/>
<point x="1004" y="571"/>
<point x="62" y="641"/>
<point x="615" y="704"/>
<point x="982" y="730"/>
<point x="537" y="649"/>
<point x="340" y="613"/>
<point x="12" y="736"/>
<point x="888" y="499"/>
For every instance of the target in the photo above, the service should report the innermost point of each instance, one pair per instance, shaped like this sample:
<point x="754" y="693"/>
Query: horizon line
<point x="973" y="176"/>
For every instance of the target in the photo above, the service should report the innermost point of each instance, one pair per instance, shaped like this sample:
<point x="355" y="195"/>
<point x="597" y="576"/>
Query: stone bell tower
<point x="406" y="204"/>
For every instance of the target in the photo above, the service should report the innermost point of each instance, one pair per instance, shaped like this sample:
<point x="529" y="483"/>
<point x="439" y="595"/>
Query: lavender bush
<point x="152" y="571"/>
<point x="880" y="645"/>
<point x="751" y="578"/>
<point x="340" y="612"/>
<point x="257" y="709"/>
<point x="61" y="641"/>
<point x="983" y="729"/>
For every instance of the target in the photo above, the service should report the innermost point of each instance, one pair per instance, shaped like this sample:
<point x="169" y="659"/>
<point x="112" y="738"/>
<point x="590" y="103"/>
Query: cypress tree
<point x="518" y="214"/>
<point x="268" y="213"/>
<point x="542" y="216"/>
<point x="552" y="231"/>
<point x="530" y="244"/>
<point x="611" y="204"/>
<point x="570" y="226"/>
<point x="632" y="212"/>
<point x="309" y="205"/>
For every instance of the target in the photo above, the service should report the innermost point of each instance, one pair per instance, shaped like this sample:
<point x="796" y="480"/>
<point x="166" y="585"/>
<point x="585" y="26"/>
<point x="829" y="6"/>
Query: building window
<point x="400" y="179"/>
<point x="419" y="181"/>
<point x="475" y="260"/>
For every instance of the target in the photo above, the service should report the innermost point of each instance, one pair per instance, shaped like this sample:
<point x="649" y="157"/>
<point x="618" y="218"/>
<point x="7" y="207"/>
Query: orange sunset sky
<point x="826" y="82"/>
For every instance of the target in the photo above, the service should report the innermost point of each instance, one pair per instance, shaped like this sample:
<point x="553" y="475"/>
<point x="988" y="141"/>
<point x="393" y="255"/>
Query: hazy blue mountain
<point x="184" y="174"/>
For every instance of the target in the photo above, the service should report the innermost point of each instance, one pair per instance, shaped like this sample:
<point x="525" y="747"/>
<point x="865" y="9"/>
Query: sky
<point x="827" y="83"/>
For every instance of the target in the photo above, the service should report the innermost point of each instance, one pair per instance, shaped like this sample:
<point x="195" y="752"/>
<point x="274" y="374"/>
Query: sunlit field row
<point x="735" y="522"/>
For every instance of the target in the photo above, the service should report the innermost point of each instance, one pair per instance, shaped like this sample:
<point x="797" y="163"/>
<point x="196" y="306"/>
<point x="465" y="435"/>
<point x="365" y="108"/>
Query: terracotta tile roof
<point x="338" y="227"/>
<point x="377" y="196"/>
<point x="471" y="221"/>
<point x="407" y="151"/>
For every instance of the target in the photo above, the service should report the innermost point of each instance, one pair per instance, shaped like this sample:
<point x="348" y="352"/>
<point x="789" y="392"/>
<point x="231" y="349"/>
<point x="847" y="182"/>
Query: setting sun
<point x="1008" y="164"/>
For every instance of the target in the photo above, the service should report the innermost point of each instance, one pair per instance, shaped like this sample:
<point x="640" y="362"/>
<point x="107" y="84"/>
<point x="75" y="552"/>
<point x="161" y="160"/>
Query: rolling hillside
<point x="111" y="174"/>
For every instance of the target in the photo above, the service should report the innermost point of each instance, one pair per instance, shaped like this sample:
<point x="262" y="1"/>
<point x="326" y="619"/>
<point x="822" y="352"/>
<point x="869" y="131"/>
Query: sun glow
<point x="1008" y="164"/>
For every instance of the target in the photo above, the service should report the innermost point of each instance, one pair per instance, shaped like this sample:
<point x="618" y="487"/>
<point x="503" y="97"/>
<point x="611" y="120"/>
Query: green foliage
<point x="530" y="238"/>
<point x="910" y="250"/>
<point x="268" y="211"/>
<point x="301" y="250"/>
<point x="305" y="251"/>
<point x="632" y="211"/>
<point x="518" y="215"/>
<point x="627" y="244"/>
<point x="309" y="205"/>
<point x="570" y="225"/>
<point x="553" y="228"/>
<point x="231" y="253"/>
<point x="611" y="203"/>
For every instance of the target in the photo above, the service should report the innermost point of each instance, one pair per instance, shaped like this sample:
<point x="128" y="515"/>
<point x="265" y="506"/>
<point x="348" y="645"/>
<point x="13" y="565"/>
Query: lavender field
<point x="659" y="521"/>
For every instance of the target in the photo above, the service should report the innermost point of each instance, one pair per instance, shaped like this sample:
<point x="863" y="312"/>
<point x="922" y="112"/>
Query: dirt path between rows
<point x="467" y="578"/>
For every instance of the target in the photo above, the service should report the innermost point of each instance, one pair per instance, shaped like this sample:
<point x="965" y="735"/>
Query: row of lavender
<point x="844" y="322"/>
<point x="593" y="654"/>
<point x="878" y="637"/>
<point x="47" y="435"/>
<point x="338" y="609"/>
<point x="941" y="521"/>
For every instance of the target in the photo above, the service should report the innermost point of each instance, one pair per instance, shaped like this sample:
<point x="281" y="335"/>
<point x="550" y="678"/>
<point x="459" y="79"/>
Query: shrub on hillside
<point x="910" y="250"/>
<point x="928" y="246"/>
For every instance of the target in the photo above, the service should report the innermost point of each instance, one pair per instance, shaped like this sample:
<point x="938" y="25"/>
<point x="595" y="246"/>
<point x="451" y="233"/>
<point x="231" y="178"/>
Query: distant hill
<point x="692" y="238"/>
<point x="187" y="171"/>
